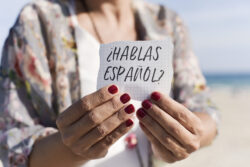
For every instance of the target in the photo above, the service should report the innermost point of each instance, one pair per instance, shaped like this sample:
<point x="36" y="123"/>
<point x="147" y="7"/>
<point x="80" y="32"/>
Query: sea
<point x="228" y="80"/>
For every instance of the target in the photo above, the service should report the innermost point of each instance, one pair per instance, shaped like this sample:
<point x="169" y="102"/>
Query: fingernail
<point x="155" y="96"/>
<point x="125" y="98"/>
<point x="141" y="113"/>
<point x="129" y="122"/>
<point x="113" y="89"/>
<point x="146" y="104"/>
<point x="130" y="109"/>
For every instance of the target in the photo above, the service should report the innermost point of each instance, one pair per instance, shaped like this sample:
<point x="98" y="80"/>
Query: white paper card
<point x="137" y="67"/>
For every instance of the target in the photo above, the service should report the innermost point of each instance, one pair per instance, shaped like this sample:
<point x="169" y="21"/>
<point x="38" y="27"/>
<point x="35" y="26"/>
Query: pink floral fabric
<point x="39" y="75"/>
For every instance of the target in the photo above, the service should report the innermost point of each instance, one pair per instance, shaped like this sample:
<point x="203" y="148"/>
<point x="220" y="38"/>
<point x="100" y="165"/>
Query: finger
<point x="104" y="128"/>
<point x="170" y="125"/>
<point x="111" y="138"/>
<point x="158" y="131"/>
<point x="177" y="111"/>
<point x="163" y="152"/>
<point x="82" y="106"/>
<point x="98" y="115"/>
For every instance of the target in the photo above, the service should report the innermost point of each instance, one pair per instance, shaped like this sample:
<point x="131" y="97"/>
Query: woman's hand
<point x="91" y="125"/>
<point x="173" y="130"/>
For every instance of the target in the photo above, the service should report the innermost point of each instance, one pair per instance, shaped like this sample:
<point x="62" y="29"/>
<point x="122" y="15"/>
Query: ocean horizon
<point x="229" y="80"/>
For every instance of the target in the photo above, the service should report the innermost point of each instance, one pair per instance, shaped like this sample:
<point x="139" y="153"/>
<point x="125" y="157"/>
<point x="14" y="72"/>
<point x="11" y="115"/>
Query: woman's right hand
<point x="91" y="125"/>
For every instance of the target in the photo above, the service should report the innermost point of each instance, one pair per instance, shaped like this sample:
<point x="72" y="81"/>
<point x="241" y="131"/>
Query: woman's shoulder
<point x="43" y="9"/>
<point x="158" y="11"/>
<point x="158" y="19"/>
<point x="48" y="4"/>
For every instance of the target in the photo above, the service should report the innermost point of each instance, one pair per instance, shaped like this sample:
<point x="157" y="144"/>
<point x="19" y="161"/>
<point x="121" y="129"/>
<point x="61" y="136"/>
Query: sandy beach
<point x="232" y="146"/>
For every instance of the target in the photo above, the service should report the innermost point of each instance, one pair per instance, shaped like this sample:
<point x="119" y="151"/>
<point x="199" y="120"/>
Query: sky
<point x="219" y="30"/>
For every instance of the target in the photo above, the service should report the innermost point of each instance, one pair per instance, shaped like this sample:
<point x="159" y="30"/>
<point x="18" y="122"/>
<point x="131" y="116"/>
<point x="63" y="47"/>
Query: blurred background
<point x="220" y="33"/>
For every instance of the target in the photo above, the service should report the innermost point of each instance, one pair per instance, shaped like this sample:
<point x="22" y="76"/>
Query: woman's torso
<point x="89" y="61"/>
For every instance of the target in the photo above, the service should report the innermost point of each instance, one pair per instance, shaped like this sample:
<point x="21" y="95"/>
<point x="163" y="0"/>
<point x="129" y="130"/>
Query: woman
<point x="51" y="114"/>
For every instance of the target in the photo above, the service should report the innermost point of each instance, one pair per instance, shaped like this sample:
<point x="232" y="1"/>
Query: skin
<point x="117" y="15"/>
<point x="58" y="149"/>
<point x="83" y="136"/>
<point x="173" y="130"/>
<point x="86" y="130"/>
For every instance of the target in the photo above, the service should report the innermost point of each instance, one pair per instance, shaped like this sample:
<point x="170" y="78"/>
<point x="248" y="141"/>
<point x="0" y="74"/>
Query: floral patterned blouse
<point x="39" y="75"/>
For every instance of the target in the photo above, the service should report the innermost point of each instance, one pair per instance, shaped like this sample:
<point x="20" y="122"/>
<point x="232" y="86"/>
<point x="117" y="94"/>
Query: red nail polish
<point x="146" y="104"/>
<point x="125" y="98"/>
<point x="129" y="122"/>
<point x="156" y="96"/>
<point x="130" y="109"/>
<point x="141" y="113"/>
<point x="113" y="89"/>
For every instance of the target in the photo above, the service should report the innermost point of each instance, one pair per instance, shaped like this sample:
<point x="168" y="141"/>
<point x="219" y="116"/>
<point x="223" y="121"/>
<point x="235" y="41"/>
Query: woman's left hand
<point x="172" y="129"/>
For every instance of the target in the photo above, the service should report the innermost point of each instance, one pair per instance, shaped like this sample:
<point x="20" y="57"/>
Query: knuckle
<point x="193" y="129"/>
<point x="85" y="104"/>
<point x="181" y="156"/>
<point x="179" y="116"/>
<point x="59" y="121"/>
<point x="67" y="140"/>
<point x="174" y="130"/>
<point x="101" y="131"/>
<point x="114" y="104"/>
<point x="120" y="131"/>
<point x="93" y="118"/>
<point x="199" y="130"/>
<point x="165" y="138"/>
<point x="168" y="140"/>
<point x="177" y="131"/>
<point x="109" y="140"/>
<point x="80" y="147"/>
<point x="121" y="117"/>
<point x="101" y="94"/>
<point x="167" y="101"/>
<point x="77" y="150"/>
<point x="193" y="146"/>
<point x="80" y="124"/>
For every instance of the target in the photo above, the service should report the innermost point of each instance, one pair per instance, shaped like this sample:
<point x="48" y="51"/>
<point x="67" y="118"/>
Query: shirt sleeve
<point x="25" y="90"/>
<point x="189" y="85"/>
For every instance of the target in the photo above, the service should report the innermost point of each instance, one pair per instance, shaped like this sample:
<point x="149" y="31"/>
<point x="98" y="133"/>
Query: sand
<point x="232" y="146"/>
